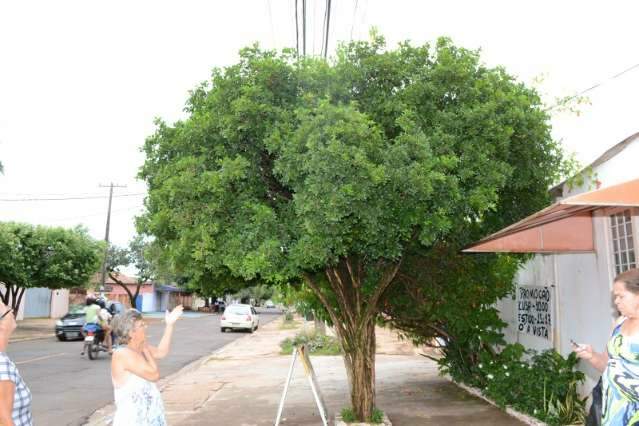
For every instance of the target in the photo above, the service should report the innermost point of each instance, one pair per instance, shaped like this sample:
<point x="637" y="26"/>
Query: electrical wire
<point x="297" y="30"/>
<point x="101" y="213"/>
<point x="328" y="26"/>
<point x="94" y="197"/>
<point x="593" y="87"/>
<point x="303" y="27"/>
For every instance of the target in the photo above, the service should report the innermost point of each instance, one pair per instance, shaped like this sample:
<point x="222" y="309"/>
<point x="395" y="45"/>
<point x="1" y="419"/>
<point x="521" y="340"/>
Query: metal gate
<point x="37" y="303"/>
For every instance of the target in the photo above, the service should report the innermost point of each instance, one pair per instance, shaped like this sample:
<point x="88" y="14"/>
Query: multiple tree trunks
<point x="353" y="316"/>
<point x="12" y="296"/>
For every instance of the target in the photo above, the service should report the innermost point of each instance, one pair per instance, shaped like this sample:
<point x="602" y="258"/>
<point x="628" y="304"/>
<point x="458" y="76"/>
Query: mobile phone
<point x="575" y="344"/>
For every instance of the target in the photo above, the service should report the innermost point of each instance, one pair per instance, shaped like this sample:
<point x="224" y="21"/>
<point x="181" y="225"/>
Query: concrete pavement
<point x="241" y="384"/>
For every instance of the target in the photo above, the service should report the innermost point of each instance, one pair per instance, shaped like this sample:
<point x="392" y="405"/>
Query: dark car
<point x="69" y="327"/>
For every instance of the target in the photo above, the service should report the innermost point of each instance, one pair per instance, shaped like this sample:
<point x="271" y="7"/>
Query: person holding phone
<point x="134" y="370"/>
<point x="15" y="396"/>
<point x="620" y="362"/>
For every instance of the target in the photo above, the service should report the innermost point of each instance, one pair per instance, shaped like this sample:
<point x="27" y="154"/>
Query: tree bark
<point x="132" y="297"/>
<point x="360" y="356"/>
<point x="353" y="314"/>
<point x="16" y="304"/>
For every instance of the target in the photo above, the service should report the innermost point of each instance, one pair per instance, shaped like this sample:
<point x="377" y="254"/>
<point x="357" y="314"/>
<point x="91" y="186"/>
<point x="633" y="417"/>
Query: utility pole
<point x="106" y="236"/>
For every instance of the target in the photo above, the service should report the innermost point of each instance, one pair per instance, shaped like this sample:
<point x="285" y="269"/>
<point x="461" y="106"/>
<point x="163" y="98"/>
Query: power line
<point x="297" y="31"/>
<point x="100" y="213"/>
<point x="303" y="27"/>
<point x="619" y="74"/>
<point x="327" y="21"/>
<point x="111" y="186"/>
<point x="92" y="197"/>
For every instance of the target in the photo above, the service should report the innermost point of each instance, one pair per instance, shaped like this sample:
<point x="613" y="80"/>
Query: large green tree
<point x="39" y="256"/>
<point x="334" y="172"/>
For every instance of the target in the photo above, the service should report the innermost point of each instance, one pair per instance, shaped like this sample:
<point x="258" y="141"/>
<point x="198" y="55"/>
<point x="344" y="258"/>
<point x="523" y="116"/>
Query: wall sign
<point x="535" y="310"/>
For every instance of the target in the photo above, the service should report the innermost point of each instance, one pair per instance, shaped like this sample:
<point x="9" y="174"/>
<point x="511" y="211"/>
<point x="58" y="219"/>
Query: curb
<point x="36" y="337"/>
<point x="529" y="420"/>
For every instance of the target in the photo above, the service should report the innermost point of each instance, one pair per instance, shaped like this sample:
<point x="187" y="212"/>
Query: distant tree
<point x="39" y="256"/>
<point x="135" y="255"/>
<point x="335" y="173"/>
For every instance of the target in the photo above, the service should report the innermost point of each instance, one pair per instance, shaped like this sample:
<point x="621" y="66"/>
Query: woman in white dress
<point x="134" y="370"/>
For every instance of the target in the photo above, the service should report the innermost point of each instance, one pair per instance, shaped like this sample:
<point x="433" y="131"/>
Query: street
<point x="67" y="387"/>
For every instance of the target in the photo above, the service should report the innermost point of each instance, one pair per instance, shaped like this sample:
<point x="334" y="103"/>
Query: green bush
<point x="543" y="385"/>
<point x="317" y="344"/>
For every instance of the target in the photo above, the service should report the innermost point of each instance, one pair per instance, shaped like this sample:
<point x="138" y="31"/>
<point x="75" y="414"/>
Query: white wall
<point x="583" y="282"/>
<point x="148" y="302"/>
<point x="59" y="303"/>
<point x="620" y="168"/>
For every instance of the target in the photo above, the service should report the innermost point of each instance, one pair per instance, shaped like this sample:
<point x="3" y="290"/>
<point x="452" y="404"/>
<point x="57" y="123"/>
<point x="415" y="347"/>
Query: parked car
<point x="239" y="317"/>
<point x="269" y="304"/>
<point x="69" y="327"/>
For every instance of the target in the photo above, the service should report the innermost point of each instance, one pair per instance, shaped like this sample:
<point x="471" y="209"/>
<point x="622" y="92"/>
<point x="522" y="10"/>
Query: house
<point x="153" y="297"/>
<point x="581" y="243"/>
<point x="43" y="303"/>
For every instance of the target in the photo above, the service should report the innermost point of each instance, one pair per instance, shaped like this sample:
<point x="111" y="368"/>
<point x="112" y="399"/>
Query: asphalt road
<point x="67" y="388"/>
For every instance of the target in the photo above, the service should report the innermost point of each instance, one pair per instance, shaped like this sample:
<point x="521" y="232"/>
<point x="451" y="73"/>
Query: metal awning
<point x="563" y="227"/>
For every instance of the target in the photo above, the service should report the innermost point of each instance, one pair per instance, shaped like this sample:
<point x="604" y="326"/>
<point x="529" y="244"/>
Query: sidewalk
<point x="242" y="383"/>
<point x="33" y="328"/>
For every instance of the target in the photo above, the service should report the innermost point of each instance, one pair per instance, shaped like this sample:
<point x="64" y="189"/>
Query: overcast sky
<point x="81" y="81"/>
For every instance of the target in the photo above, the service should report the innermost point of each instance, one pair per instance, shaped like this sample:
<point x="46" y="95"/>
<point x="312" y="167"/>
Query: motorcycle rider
<point x="104" y="318"/>
<point x="91" y="313"/>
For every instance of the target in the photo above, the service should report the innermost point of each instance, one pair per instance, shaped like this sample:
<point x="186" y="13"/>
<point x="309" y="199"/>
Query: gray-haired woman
<point x="134" y="370"/>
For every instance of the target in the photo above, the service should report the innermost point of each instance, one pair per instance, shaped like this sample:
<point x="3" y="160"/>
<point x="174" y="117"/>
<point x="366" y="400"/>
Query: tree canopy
<point x="39" y="256"/>
<point x="333" y="172"/>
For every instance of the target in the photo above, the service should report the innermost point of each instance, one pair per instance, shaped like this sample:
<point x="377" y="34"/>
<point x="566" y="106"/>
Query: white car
<point x="239" y="317"/>
<point x="269" y="304"/>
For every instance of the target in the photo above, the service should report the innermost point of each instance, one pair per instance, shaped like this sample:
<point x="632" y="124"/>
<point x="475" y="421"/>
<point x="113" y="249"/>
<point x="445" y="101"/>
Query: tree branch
<point x="329" y="307"/>
<point x="338" y="287"/>
<point x="124" y="286"/>
<point x="386" y="280"/>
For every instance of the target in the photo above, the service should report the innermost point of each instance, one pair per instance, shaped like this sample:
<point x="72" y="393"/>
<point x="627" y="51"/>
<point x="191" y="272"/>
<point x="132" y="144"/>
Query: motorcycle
<point x="93" y="341"/>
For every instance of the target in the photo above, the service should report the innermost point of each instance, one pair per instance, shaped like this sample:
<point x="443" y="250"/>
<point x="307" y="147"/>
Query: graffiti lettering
<point x="534" y="311"/>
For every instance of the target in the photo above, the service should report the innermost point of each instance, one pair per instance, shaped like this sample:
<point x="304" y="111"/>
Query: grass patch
<point x="348" y="415"/>
<point x="289" y="325"/>
<point x="317" y="344"/>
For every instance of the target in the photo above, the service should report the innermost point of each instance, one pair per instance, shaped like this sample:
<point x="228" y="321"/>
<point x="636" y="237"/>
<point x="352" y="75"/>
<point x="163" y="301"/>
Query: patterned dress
<point x="22" y="395"/>
<point x="621" y="381"/>
<point x="138" y="402"/>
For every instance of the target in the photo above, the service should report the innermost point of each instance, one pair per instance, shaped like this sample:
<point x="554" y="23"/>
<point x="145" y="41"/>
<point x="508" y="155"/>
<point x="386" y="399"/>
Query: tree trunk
<point x="16" y="303"/>
<point x="353" y="314"/>
<point x="360" y="357"/>
<point x="133" y="297"/>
